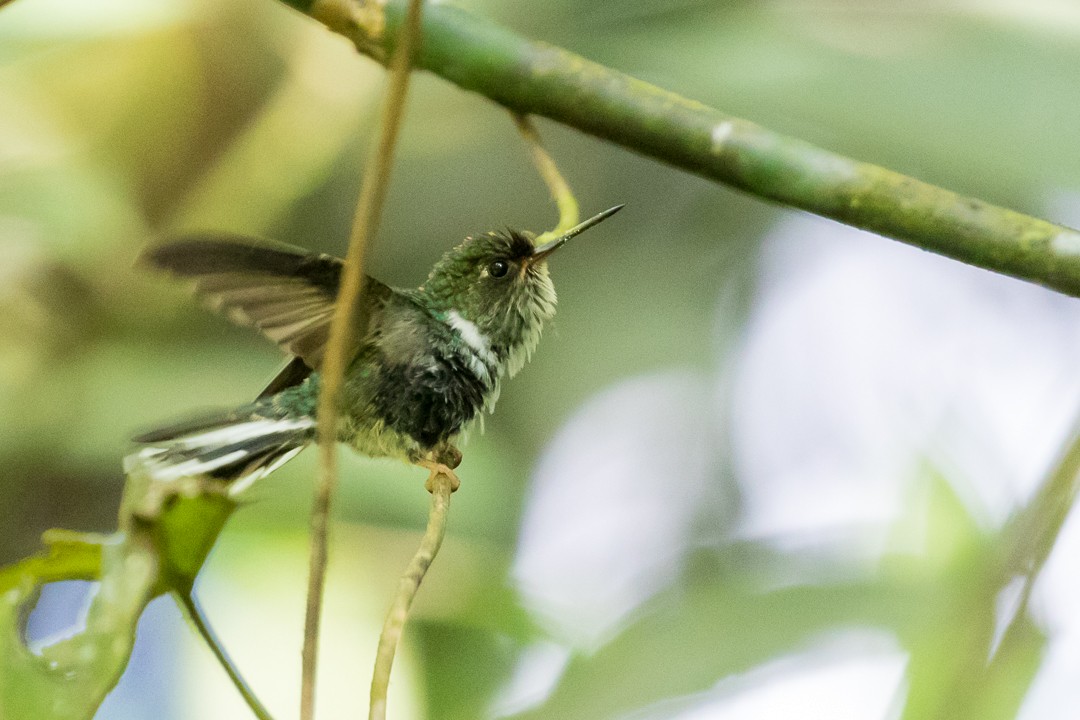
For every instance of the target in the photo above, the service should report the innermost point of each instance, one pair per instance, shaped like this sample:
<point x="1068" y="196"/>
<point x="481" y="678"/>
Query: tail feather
<point x="195" y="425"/>
<point x="239" y="447"/>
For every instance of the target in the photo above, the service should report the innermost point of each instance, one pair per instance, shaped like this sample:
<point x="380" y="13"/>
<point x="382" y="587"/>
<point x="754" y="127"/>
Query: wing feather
<point x="286" y="292"/>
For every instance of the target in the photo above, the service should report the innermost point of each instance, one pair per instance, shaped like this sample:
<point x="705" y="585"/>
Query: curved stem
<point x="560" y="190"/>
<point x="535" y="78"/>
<point x="441" y="488"/>
<point x="186" y="600"/>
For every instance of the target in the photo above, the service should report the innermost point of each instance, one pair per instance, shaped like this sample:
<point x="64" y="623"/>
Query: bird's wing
<point x="295" y="372"/>
<point x="285" y="291"/>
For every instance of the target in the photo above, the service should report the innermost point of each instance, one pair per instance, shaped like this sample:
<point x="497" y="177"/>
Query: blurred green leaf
<point x="166" y="532"/>
<point x="463" y="668"/>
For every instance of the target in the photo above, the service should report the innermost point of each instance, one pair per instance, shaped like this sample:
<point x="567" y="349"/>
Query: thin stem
<point x="536" y="78"/>
<point x="549" y="171"/>
<point x="981" y="668"/>
<point x="1034" y="531"/>
<point x="441" y="487"/>
<point x="186" y="600"/>
<point x="369" y="206"/>
<point x="1036" y="528"/>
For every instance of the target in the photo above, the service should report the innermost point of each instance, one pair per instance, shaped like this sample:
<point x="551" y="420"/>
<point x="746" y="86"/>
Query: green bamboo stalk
<point x="534" y="78"/>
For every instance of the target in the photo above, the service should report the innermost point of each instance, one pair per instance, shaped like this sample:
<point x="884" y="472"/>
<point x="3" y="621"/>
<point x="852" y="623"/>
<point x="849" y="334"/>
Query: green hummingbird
<point x="424" y="364"/>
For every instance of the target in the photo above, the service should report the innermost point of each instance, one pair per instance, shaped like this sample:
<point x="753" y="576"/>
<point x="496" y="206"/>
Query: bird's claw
<point x="436" y="469"/>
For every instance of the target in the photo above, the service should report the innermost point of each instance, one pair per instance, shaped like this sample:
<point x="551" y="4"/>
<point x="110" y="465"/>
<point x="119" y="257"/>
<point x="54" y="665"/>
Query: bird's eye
<point x="498" y="268"/>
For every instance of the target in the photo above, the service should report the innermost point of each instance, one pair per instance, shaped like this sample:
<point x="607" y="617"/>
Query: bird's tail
<point x="239" y="447"/>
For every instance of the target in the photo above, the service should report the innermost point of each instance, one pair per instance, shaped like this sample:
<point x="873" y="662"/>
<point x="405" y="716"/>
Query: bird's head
<point x="496" y="290"/>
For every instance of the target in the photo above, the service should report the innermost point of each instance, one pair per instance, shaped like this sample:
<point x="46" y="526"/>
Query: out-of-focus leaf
<point x="58" y="19"/>
<point x="283" y="157"/>
<point x="70" y="556"/>
<point x="71" y="677"/>
<point x="724" y="620"/>
<point x="463" y="668"/>
<point x="692" y="637"/>
<point x="950" y="673"/>
<point x="166" y="531"/>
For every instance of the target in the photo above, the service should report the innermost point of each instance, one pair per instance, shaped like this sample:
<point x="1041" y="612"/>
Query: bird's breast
<point x="431" y="397"/>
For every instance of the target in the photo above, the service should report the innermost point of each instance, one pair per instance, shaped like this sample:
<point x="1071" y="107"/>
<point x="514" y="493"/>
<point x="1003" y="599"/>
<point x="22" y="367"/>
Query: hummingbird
<point x="425" y="362"/>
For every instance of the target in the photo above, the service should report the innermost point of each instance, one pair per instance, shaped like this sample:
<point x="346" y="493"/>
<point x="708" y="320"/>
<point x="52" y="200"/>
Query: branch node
<point x="361" y="21"/>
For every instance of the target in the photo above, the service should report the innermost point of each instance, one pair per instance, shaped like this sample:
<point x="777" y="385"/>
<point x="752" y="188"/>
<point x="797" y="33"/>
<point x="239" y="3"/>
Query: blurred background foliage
<point x="762" y="464"/>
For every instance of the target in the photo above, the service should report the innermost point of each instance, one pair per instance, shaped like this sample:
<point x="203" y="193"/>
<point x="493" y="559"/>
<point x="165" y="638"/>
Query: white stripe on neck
<point x="472" y="336"/>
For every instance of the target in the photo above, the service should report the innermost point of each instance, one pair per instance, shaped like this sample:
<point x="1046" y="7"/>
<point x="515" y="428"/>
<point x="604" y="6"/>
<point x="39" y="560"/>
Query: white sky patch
<point x="830" y="682"/>
<point x="535" y="675"/>
<point x="608" y="517"/>
<point x="865" y="360"/>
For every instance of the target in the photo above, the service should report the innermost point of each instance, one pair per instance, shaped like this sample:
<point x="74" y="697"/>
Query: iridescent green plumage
<point x="425" y="362"/>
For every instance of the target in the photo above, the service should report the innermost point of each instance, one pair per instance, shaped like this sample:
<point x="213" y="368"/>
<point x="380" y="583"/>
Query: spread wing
<point x="286" y="292"/>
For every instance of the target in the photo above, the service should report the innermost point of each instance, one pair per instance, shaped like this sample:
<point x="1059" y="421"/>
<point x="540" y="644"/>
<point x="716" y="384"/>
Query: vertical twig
<point x="441" y="487"/>
<point x="372" y="194"/>
<point x="549" y="171"/>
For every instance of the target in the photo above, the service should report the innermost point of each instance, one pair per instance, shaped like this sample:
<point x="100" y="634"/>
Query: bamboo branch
<point x="372" y="195"/>
<point x="441" y="486"/>
<point x="535" y="78"/>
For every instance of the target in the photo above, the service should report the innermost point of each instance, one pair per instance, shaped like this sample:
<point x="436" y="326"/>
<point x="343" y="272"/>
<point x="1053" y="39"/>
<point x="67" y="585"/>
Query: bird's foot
<point x="436" y="469"/>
